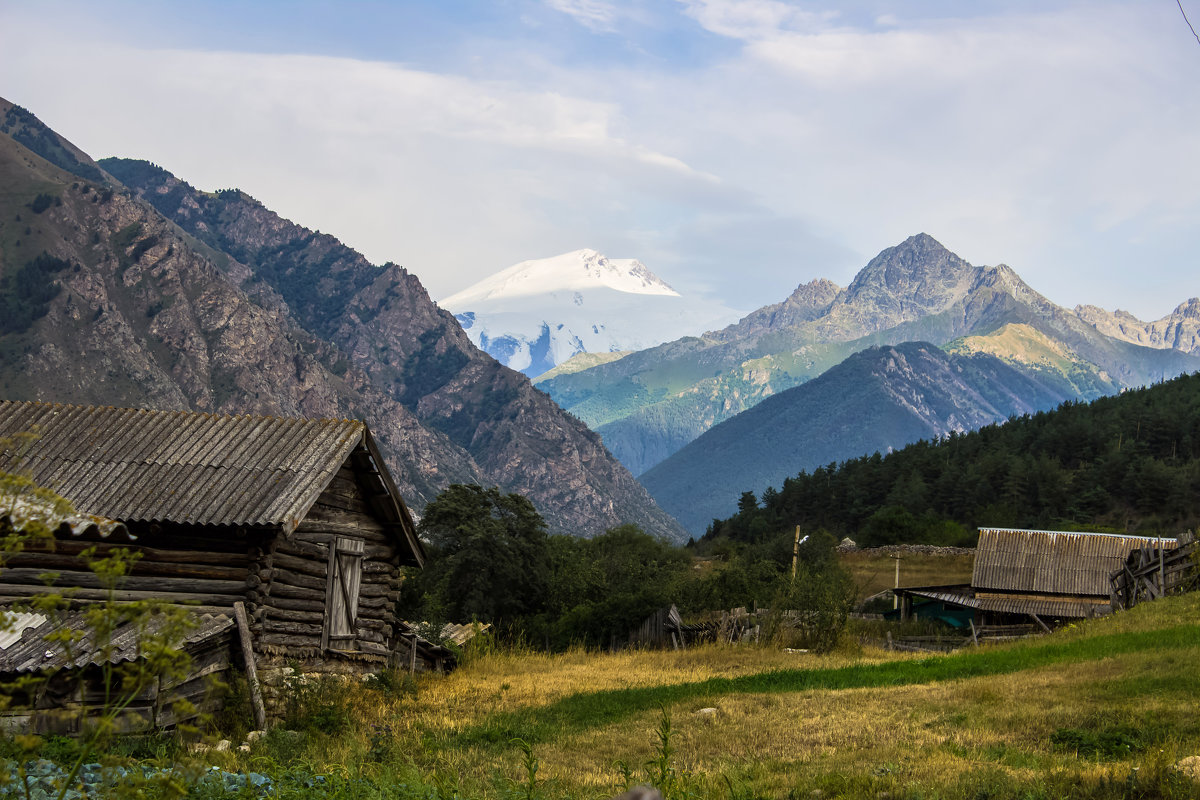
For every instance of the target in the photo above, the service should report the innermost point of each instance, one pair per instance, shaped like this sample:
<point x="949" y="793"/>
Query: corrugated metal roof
<point x="181" y="466"/>
<point x="461" y="634"/>
<point x="18" y="514"/>
<point x="1050" y="607"/>
<point x="31" y="652"/>
<point x="13" y="625"/>
<point x="1052" y="562"/>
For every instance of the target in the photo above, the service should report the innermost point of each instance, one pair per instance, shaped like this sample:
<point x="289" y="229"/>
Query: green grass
<point x="591" y="709"/>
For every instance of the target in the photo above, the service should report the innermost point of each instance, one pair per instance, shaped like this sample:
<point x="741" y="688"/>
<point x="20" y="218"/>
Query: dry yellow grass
<point x="917" y="738"/>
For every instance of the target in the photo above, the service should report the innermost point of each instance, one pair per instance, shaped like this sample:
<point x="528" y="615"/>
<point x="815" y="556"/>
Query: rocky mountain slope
<point x="651" y="403"/>
<point x="224" y="306"/>
<point x="1179" y="330"/>
<point x="537" y="314"/>
<point x="876" y="400"/>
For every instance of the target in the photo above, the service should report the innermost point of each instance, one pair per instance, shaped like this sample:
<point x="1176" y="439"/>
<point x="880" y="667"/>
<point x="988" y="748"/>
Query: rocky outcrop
<point x="1179" y="330"/>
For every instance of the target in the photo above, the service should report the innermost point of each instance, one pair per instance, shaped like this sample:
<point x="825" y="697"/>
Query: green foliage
<point x="1108" y="743"/>
<point x="489" y="558"/>
<point x="44" y="201"/>
<point x="25" y="294"/>
<point x="1124" y="463"/>
<point x="317" y="704"/>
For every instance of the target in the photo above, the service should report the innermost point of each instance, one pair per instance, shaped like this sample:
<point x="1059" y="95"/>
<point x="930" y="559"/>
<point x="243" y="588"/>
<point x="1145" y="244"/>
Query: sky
<point x="738" y="148"/>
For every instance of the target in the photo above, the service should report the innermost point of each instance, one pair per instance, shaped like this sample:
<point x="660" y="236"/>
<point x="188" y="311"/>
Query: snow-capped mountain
<point x="536" y="314"/>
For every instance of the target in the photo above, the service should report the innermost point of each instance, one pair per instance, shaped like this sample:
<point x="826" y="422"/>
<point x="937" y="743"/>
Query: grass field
<point x="1096" y="711"/>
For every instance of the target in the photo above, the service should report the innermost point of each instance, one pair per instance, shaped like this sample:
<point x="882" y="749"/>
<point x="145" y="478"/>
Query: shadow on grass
<point x="594" y="709"/>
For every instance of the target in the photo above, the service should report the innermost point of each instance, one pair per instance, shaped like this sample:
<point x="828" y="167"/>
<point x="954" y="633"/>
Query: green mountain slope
<point x="1124" y="463"/>
<point x="875" y="400"/>
<point x="649" y="404"/>
<point x="227" y="307"/>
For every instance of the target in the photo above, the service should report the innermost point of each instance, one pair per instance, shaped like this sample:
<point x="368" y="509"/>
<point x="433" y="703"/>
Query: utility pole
<point x="896" y="597"/>
<point x="796" y="550"/>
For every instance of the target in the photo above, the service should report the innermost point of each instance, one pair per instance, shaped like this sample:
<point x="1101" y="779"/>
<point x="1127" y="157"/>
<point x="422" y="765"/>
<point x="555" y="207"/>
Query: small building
<point x="293" y="524"/>
<point x="1023" y="576"/>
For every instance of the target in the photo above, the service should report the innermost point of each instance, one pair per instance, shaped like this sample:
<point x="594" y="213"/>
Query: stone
<point x="706" y="712"/>
<point x="1189" y="767"/>
<point x="223" y="746"/>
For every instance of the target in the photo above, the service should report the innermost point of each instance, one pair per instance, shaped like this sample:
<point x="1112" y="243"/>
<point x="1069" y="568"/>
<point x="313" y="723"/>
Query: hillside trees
<point x="490" y="560"/>
<point x="1124" y="463"/>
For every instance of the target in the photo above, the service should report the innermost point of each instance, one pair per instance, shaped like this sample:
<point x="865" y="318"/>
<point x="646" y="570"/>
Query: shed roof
<point x="1050" y="607"/>
<point x="182" y="466"/>
<point x="1052" y="562"/>
<point x="26" y="648"/>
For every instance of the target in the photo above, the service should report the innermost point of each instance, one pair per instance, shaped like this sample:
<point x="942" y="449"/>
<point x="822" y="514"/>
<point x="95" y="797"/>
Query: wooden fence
<point x="1150" y="573"/>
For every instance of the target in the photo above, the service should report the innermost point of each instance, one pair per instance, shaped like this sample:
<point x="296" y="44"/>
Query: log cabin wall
<point x="206" y="567"/>
<point x="340" y="545"/>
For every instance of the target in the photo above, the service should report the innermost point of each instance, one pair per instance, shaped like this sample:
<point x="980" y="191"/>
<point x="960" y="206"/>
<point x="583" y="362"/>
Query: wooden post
<point x="896" y="597"/>
<point x="412" y="663"/>
<point x="795" y="552"/>
<point x="243" y="626"/>
<point x="1038" y="620"/>
<point x="974" y="634"/>
<point x="1162" y="570"/>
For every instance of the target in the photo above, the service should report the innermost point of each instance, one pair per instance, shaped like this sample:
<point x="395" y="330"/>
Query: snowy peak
<point x="537" y="314"/>
<point x="576" y="271"/>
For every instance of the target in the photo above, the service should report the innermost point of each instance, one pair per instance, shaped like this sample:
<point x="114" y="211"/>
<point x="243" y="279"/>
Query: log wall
<point x="204" y="567"/>
<point x="288" y="610"/>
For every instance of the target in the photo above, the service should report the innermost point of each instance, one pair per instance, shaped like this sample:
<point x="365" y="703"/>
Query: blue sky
<point x="737" y="147"/>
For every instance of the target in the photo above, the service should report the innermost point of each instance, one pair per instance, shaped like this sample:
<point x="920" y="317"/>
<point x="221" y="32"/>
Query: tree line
<point x="1126" y="463"/>
<point x="490" y="559"/>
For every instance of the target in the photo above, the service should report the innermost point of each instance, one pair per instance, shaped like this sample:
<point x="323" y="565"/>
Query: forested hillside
<point x="1124" y="463"/>
<point x="878" y="399"/>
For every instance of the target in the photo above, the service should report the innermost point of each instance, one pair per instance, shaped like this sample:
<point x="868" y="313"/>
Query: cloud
<point x="597" y="15"/>
<point x="736" y="144"/>
<point x="754" y="19"/>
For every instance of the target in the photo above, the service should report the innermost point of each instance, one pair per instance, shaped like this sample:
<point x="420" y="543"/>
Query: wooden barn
<point x="293" y="525"/>
<point x="1036" y="576"/>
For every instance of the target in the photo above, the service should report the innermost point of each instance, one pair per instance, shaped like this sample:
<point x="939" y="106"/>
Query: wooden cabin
<point x="1036" y="576"/>
<point x="294" y="523"/>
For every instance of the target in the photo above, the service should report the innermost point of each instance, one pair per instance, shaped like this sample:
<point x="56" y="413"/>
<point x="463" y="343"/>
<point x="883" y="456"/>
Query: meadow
<point x="1102" y="709"/>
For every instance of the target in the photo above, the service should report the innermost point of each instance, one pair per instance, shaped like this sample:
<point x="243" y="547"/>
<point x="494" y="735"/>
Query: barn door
<point x="341" y="593"/>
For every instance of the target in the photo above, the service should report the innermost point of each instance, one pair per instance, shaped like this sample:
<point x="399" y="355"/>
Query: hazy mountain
<point x="227" y="307"/>
<point x="1179" y="330"/>
<point x="876" y="400"/>
<point x="649" y="404"/>
<point x="537" y="314"/>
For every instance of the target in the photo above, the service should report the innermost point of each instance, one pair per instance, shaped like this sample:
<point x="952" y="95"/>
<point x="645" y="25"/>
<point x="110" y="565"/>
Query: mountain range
<point x="878" y="399"/>
<point x="650" y="404"/>
<point x="123" y="285"/>
<point x="537" y="314"/>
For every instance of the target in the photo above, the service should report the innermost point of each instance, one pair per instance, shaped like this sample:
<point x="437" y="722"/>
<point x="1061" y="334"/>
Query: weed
<point x="527" y="789"/>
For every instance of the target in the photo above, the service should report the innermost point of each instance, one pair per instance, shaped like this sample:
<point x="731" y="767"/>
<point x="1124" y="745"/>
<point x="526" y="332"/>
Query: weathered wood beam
<point x="247" y="643"/>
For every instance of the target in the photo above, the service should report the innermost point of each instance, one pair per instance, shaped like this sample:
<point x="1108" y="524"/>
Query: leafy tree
<point x="490" y="557"/>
